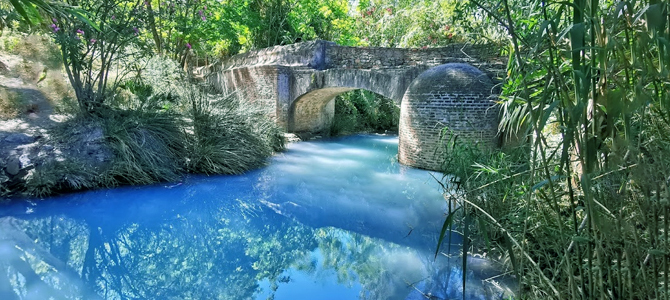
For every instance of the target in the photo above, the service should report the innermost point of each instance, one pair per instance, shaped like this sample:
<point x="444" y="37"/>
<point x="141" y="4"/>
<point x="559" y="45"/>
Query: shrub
<point x="364" y="111"/>
<point x="229" y="137"/>
<point x="148" y="145"/>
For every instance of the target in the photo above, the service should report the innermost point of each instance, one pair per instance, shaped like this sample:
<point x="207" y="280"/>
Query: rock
<point x="291" y="138"/>
<point x="19" y="138"/>
<point x="13" y="166"/>
<point x="24" y="159"/>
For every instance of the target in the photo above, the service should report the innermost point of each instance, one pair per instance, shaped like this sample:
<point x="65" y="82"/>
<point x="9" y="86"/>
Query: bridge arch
<point x="314" y="111"/>
<point x="296" y="84"/>
<point x="312" y="108"/>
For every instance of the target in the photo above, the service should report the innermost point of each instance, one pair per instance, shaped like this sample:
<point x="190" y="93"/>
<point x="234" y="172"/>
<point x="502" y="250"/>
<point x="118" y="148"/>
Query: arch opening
<point x="312" y="113"/>
<point x="341" y="111"/>
<point x="365" y="111"/>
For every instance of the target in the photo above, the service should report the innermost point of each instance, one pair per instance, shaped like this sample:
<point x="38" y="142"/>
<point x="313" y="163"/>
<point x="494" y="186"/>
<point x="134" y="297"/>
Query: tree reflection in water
<point x="227" y="237"/>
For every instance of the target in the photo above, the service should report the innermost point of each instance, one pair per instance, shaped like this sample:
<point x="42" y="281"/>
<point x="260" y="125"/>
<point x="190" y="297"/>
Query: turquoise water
<point x="330" y="219"/>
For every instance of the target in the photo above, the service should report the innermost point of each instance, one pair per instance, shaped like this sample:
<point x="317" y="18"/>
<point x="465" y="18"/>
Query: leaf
<point x="547" y="114"/>
<point x="542" y="183"/>
<point x="580" y="239"/>
<point x="510" y="252"/>
<point x="544" y="26"/>
<point x="657" y="252"/>
<point x="447" y="223"/>
<point x="562" y="34"/>
<point x="81" y="15"/>
<point x="482" y="229"/>
<point x="639" y="14"/>
<point x="577" y="36"/>
<point x="19" y="7"/>
<point x="466" y="245"/>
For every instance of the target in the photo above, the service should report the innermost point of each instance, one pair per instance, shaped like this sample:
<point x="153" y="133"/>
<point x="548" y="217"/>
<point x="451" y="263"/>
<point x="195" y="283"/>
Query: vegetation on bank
<point x="364" y="111"/>
<point x="579" y="210"/>
<point x="157" y="128"/>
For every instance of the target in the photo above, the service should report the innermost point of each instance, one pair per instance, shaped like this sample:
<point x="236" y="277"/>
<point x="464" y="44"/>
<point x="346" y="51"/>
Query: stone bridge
<point x="453" y="87"/>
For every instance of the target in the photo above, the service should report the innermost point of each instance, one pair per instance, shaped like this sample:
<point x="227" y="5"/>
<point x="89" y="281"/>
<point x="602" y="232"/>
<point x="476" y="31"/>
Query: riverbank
<point x="156" y="124"/>
<point x="128" y="147"/>
<point x="335" y="214"/>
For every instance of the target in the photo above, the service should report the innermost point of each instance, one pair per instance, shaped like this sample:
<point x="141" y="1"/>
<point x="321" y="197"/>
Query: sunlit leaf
<point x="445" y="226"/>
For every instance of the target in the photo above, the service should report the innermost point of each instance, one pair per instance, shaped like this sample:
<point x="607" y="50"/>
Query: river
<point x="329" y="219"/>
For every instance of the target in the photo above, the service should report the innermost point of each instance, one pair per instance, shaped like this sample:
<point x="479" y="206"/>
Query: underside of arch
<point x="313" y="112"/>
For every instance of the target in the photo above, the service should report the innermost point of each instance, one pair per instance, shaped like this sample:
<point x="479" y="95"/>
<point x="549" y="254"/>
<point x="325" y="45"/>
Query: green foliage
<point x="148" y="146"/>
<point x="56" y="176"/>
<point x="419" y="23"/>
<point x="182" y="28"/>
<point x="194" y="29"/>
<point x="92" y="48"/>
<point x="583" y="213"/>
<point x="30" y="12"/>
<point x="363" y="111"/>
<point x="229" y="137"/>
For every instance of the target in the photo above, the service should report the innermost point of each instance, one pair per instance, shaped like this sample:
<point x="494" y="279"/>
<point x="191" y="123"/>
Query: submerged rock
<point x="13" y="166"/>
<point x="19" y="138"/>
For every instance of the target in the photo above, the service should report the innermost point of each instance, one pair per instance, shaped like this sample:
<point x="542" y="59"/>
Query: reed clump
<point x="581" y="210"/>
<point x="228" y="137"/>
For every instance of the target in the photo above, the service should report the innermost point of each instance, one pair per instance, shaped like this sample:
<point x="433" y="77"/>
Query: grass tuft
<point x="229" y="137"/>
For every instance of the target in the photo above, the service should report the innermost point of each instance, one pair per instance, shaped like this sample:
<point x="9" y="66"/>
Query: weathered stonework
<point x="456" y="96"/>
<point x="296" y="84"/>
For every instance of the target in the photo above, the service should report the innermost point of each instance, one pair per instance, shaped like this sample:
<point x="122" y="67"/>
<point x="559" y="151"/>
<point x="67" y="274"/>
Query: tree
<point x="93" y="50"/>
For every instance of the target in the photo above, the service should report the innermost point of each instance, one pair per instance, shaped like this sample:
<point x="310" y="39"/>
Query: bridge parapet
<point x="296" y="85"/>
<point x="308" y="54"/>
<point x="322" y="55"/>
<point x="380" y="58"/>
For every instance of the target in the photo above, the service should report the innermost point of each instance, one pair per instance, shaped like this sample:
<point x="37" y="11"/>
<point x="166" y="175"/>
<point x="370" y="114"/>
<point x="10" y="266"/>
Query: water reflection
<point x="327" y="220"/>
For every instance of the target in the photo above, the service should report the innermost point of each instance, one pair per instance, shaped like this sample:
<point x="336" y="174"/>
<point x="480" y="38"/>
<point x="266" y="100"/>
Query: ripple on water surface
<point x="331" y="219"/>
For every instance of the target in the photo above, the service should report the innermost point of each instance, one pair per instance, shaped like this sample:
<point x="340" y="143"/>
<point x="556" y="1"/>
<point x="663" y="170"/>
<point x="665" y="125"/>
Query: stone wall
<point x="262" y="85"/>
<point x="482" y="57"/>
<point x="456" y="96"/>
<point x="437" y="87"/>
<point x="321" y="55"/>
<point x="308" y="54"/>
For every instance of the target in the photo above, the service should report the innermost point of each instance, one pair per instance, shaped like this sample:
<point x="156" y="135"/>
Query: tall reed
<point x="588" y="88"/>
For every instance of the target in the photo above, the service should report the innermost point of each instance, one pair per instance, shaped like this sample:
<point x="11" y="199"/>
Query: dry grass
<point x="11" y="105"/>
<point x="33" y="62"/>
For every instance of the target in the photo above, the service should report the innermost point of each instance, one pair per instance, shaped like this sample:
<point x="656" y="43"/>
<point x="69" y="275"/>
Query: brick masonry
<point x="296" y="85"/>
<point x="456" y="96"/>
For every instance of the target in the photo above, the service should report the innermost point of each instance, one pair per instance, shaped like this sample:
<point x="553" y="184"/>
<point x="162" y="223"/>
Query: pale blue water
<point x="332" y="219"/>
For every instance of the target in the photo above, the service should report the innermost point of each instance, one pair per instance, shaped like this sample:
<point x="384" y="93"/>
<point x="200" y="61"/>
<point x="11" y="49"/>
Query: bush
<point x="229" y="137"/>
<point x="364" y="111"/>
<point x="148" y="146"/>
<point x="58" y="176"/>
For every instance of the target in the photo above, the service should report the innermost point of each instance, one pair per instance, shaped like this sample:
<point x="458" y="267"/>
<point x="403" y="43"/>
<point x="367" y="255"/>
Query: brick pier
<point x="438" y="87"/>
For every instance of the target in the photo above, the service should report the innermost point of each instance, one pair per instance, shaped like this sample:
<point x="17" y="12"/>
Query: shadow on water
<point x="326" y="220"/>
